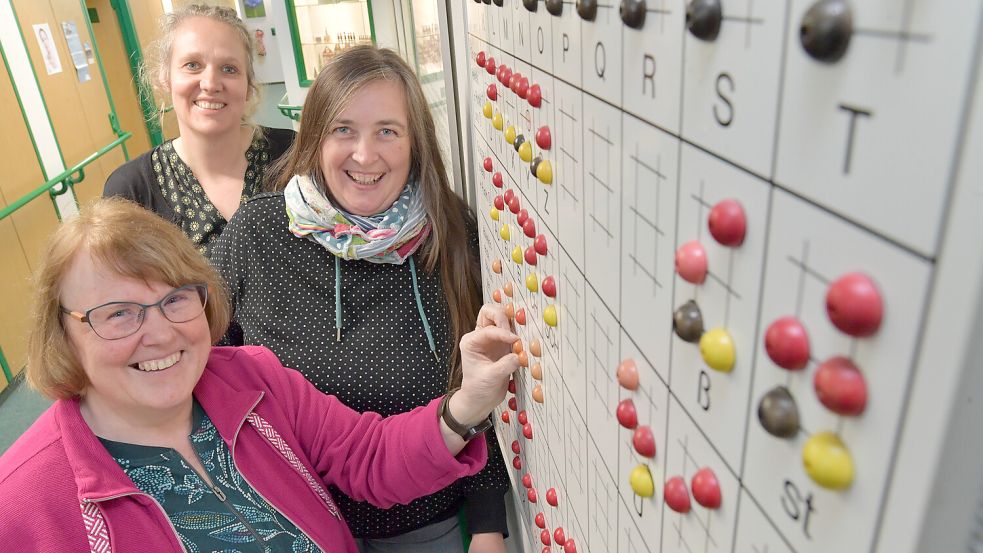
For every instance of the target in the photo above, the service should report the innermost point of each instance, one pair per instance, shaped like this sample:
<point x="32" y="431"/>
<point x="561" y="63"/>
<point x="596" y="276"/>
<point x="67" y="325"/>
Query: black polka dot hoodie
<point x="283" y="289"/>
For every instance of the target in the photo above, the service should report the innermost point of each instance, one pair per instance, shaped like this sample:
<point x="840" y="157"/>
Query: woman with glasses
<point x="159" y="441"/>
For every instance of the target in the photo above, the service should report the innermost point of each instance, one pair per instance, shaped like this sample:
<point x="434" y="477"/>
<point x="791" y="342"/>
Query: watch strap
<point x="465" y="432"/>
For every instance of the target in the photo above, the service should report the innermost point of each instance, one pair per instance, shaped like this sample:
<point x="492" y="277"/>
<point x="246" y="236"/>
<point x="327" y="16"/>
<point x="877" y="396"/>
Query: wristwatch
<point x="466" y="433"/>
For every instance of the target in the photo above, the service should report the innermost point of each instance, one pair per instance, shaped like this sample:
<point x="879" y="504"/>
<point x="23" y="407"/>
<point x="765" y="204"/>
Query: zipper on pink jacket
<point x="232" y="455"/>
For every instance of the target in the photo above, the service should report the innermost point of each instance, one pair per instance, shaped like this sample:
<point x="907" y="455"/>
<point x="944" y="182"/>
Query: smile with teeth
<point x="154" y="365"/>
<point x="365" y="178"/>
<point x="209" y="105"/>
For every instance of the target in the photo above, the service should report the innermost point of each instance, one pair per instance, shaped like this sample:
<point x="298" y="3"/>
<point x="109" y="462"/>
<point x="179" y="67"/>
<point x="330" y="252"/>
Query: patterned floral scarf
<point x="388" y="237"/>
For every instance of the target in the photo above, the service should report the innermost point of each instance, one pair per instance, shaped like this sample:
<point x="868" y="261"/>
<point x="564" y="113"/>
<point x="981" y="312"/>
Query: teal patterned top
<point x="229" y="518"/>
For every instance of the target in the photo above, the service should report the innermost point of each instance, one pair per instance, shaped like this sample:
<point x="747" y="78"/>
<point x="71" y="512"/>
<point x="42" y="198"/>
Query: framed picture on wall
<point x="254" y="8"/>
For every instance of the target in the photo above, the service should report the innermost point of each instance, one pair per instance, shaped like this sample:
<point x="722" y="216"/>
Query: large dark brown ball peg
<point x="778" y="413"/>
<point x="826" y="30"/>
<point x="555" y="7"/>
<point x="499" y="3"/>
<point x="703" y="19"/>
<point x="587" y="9"/>
<point x="531" y="5"/>
<point x="687" y="322"/>
<point x="487" y="2"/>
<point x="633" y="13"/>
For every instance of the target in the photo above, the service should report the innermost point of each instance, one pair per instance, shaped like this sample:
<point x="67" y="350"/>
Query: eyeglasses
<point x="119" y="319"/>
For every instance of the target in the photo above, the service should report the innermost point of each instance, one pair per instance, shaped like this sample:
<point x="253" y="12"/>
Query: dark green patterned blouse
<point x="229" y="518"/>
<point x="199" y="219"/>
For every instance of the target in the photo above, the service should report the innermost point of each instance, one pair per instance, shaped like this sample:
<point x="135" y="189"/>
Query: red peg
<point x="543" y="138"/>
<point x="522" y="88"/>
<point x="854" y="305"/>
<point x="497" y="180"/>
<point x="627" y="416"/>
<point x="706" y="488"/>
<point x="488" y="164"/>
<point x="570" y="546"/>
<point x="691" y="262"/>
<point x="529" y="228"/>
<point x="628" y="374"/>
<point x="504" y="74"/>
<point x="512" y="404"/>
<point x="514" y="205"/>
<point x="490" y="65"/>
<point x="522" y="217"/>
<point x="558" y="536"/>
<point x="676" y="495"/>
<point x="514" y="80"/>
<point x="530" y="256"/>
<point x="511" y="386"/>
<point x="728" y="223"/>
<point x="551" y="496"/>
<point x="531" y="494"/>
<point x="527" y="480"/>
<point x="509" y="194"/>
<point x="523" y="418"/>
<point x="549" y="286"/>
<point x="499" y="202"/>
<point x="841" y="387"/>
<point x="517" y="463"/>
<point x="540" y="520"/>
<point x="644" y="441"/>
<point x="544" y="537"/>
<point x="527" y="431"/>
<point x="535" y="96"/>
<point x="480" y="59"/>
<point x="540" y="244"/>
<point x="520" y="317"/>
<point x="492" y="92"/>
<point x="506" y="418"/>
<point x="787" y="343"/>
<point x="515" y="447"/>
<point x="545" y="550"/>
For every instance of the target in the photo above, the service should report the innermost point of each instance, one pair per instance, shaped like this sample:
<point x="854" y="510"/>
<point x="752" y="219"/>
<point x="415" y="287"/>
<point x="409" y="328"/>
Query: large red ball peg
<point x="787" y="343"/>
<point x="487" y="164"/>
<point x="841" y="387"/>
<point x="497" y="180"/>
<point x="490" y="65"/>
<point x="492" y="92"/>
<point x="626" y="413"/>
<point x="706" y="488"/>
<point x="728" y="223"/>
<point x="676" y="495"/>
<point x="480" y="59"/>
<point x="535" y="96"/>
<point x="691" y="262"/>
<point x="543" y="138"/>
<point x="854" y="305"/>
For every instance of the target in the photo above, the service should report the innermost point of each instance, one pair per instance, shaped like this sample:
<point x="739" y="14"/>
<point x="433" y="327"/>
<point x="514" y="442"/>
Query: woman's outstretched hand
<point x="487" y="363"/>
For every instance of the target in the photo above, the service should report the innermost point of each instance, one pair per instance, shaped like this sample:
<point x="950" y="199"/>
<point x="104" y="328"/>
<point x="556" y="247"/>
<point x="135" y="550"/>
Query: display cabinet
<point x="320" y="29"/>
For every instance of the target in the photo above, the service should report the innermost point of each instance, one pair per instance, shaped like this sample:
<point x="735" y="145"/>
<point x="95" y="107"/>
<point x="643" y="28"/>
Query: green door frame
<point x="134" y="53"/>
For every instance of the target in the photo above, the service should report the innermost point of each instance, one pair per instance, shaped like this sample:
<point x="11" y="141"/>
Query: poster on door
<point x="52" y="63"/>
<point x="79" y="59"/>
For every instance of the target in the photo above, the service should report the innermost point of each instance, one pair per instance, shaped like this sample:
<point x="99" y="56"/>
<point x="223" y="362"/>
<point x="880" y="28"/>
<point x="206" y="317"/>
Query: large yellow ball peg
<point x="525" y="152"/>
<point x="505" y="233"/>
<point x="498" y="121"/>
<point x="487" y="110"/>
<point x="827" y="461"/>
<point x="549" y="315"/>
<point x="641" y="481"/>
<point x="532" y="283"/>
<point x="510" y="134"/>
<point x="544" y="172"/>
<point x="493" y="213"/>
<point x="517" y="254"/>
<point x="717" y="349"/>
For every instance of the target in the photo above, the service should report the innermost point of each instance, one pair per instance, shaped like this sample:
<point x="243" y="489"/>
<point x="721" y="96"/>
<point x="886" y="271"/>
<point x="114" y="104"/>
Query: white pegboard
<point x="844" y="166"/>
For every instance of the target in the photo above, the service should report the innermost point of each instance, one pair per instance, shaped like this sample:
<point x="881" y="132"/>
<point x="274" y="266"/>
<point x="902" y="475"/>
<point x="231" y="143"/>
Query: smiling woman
<point x="204" y="64"/>
<point x="158" y="441"/>
<point x="362" y="274"/>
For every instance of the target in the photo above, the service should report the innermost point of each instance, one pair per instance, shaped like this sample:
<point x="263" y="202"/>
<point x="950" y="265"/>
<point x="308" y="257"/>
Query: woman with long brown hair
<point x="361" y="272"/>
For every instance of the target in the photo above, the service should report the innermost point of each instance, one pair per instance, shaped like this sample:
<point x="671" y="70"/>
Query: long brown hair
<point x="447" y="247"/>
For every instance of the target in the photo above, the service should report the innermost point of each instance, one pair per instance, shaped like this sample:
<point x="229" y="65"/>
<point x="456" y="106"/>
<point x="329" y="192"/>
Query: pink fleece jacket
<point x="61" y="491"/>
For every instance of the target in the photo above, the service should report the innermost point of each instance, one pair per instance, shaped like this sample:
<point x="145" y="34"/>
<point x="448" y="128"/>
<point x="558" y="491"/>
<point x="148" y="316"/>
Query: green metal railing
<point x="55" y="187"/>
<point x="288" y="110"/>
<point x="65" y="180"/>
